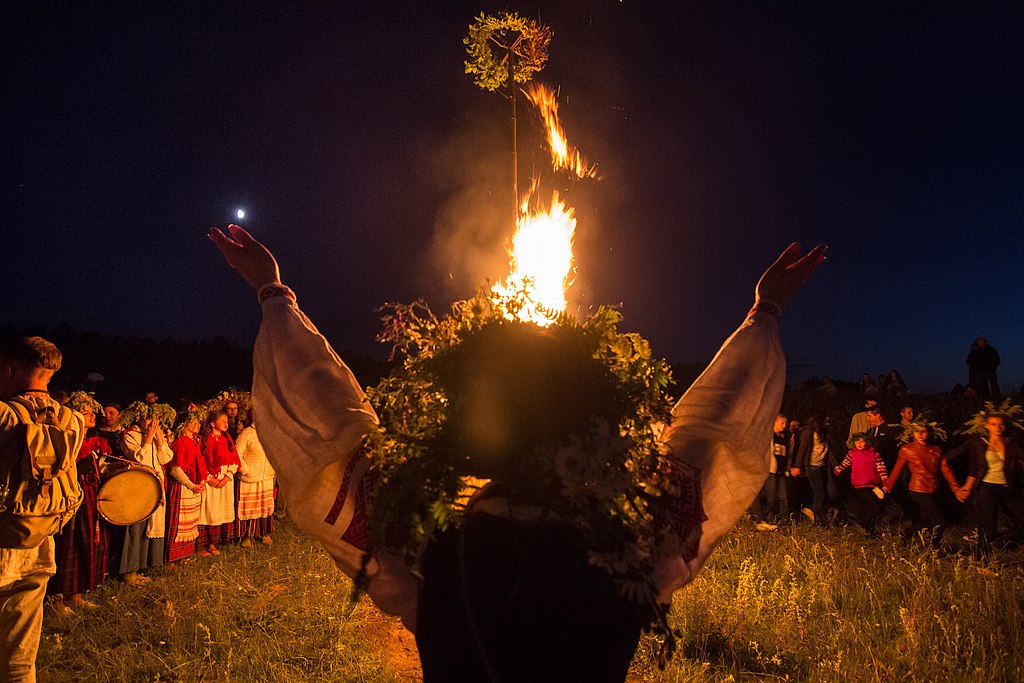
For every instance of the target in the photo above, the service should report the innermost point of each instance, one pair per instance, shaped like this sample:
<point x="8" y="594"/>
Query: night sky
<point x="377" y="171"/>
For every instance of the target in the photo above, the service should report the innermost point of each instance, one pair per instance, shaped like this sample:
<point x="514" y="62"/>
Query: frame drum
<point x="130" y="492"/>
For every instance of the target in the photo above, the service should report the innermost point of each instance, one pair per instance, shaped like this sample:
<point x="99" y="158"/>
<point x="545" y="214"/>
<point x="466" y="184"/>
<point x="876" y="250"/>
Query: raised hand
<point x="784" y="277"/>
<point x="248" y="256"/>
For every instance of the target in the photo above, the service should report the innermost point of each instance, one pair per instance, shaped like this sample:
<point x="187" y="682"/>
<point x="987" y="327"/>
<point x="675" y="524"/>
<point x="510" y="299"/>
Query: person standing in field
<point x="811" y="459"/>
<point x="185" y="489"/>
<point x="218" y="511"/>
<point x="982" y="365"/>
<point x="859" y="422"/>
<point x="143" y="547"/>
<point x="82" y="545"/>
<point x="255" y="489"/>
<point x="26" y="367"/>
<point x="484" y="606"/>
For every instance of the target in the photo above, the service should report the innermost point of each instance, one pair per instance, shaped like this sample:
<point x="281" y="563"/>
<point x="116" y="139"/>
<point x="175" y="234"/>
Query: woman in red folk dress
<point x="185" y="489"/>
<point x="218" y="509"/>
<point x="81" y="547"/>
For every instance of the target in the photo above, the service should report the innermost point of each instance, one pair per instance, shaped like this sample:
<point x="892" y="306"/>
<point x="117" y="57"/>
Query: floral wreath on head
<point x="138" y="411"/>
<point x="231" y="395"/>
<point x="81" y="399"/>
<point x="920" y="422"/>
<point x="612" y="482"/>
<point x="198" y="414"/>
<point x="1011" y="413"/>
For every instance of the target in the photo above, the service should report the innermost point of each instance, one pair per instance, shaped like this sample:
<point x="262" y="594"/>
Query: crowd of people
<point x="161" y="485"/>
<point x="897" y="471"/>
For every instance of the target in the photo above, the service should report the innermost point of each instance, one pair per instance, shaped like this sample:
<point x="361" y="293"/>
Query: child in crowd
<point x="867" y="474"/>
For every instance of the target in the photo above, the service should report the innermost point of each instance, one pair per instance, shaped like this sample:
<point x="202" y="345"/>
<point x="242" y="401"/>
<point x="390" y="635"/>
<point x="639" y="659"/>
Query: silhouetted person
<point x="982" y="362"/>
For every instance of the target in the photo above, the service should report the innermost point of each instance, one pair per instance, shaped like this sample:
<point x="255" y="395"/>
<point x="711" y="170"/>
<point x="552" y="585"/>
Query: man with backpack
<point x="39" y="442"/>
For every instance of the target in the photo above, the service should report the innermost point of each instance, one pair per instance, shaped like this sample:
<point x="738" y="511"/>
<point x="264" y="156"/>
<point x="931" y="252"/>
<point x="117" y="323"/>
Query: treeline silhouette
<point x="130" y="365"/>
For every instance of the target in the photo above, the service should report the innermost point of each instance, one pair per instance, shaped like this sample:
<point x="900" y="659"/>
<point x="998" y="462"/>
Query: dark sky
<point x="377" y="171"/>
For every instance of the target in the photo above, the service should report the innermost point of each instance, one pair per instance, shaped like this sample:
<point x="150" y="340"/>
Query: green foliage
<point x="1008" y="410"/>
<point x="919" y="422"/>
<point x="79" y="400"/>
<point x="240" y="396"/>
<point x="607" y="482"/>
<point x="523" y="40"/>
<point x="138" y="410"/>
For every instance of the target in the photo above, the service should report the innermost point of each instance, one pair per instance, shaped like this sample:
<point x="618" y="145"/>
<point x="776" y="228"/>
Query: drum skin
<point x="130" y="492"/>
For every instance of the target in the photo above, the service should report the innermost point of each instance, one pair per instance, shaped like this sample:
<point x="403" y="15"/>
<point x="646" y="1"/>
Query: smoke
<point x="474" y="222"/>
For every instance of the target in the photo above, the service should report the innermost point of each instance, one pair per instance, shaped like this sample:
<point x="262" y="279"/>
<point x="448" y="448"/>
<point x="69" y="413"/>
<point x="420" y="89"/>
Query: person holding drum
<point x="82" y="544"/>
<point x="218" y="511"/>
<point x="144" y="443"/>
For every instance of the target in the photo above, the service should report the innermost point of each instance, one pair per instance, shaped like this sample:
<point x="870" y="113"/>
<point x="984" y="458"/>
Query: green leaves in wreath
<point x="515" y="38"/>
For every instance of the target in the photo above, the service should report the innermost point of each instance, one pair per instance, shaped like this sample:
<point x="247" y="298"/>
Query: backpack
<point x="39" y="489"/>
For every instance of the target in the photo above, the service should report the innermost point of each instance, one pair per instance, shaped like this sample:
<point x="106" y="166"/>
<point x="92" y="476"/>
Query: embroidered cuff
<point x="272" y="289"/>
<point x="765" y="306"/>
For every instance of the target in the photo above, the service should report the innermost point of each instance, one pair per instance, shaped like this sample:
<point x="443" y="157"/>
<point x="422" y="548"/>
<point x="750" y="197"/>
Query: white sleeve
<point x="180" y="476"/>
<point x="720" y="427"/>
<point x="242" y="447"/>
<point x="164" y="454"/>
<point x="131" y="444"/>
<point x="312" y="417"/>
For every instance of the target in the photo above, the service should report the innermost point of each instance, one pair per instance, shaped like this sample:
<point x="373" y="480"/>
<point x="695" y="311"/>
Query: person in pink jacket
<point x="867" y="474"/>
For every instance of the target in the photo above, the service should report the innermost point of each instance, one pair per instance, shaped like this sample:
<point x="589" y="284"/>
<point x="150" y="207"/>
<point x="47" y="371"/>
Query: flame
<point x="563" y="156"/>
<point x="541" y="257"/>
<point x="541" y="250"/>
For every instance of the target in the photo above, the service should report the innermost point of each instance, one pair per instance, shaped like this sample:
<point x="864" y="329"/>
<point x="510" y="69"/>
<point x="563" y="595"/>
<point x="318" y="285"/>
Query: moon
<point x="240" y="214"/>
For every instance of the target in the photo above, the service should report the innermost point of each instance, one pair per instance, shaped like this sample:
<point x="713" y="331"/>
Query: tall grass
<point x="278" y="613"/>
<point x="797" y="604"/>
<point x="831" y="605"/>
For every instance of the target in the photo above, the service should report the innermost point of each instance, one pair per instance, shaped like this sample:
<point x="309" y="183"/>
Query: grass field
<point x="794" y="604"/>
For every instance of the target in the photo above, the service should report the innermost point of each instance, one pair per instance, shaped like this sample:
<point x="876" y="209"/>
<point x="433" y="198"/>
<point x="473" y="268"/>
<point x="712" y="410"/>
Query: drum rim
<point x="132" y="466"/>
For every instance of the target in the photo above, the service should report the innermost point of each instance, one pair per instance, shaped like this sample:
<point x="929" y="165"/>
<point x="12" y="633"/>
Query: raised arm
<point x="312" y="415"/>
<point x="720" y="425"/>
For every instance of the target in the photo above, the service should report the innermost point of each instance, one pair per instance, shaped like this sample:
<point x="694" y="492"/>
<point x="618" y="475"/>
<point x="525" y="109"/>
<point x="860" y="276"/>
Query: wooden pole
<point x="515" y="155"/>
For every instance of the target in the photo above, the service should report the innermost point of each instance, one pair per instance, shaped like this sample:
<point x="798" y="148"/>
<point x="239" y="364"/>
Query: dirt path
<point x="395" y="640"/>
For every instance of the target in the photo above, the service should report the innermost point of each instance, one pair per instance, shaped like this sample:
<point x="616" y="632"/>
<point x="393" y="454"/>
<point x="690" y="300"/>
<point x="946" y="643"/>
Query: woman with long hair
<point x="995" y="471"/>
